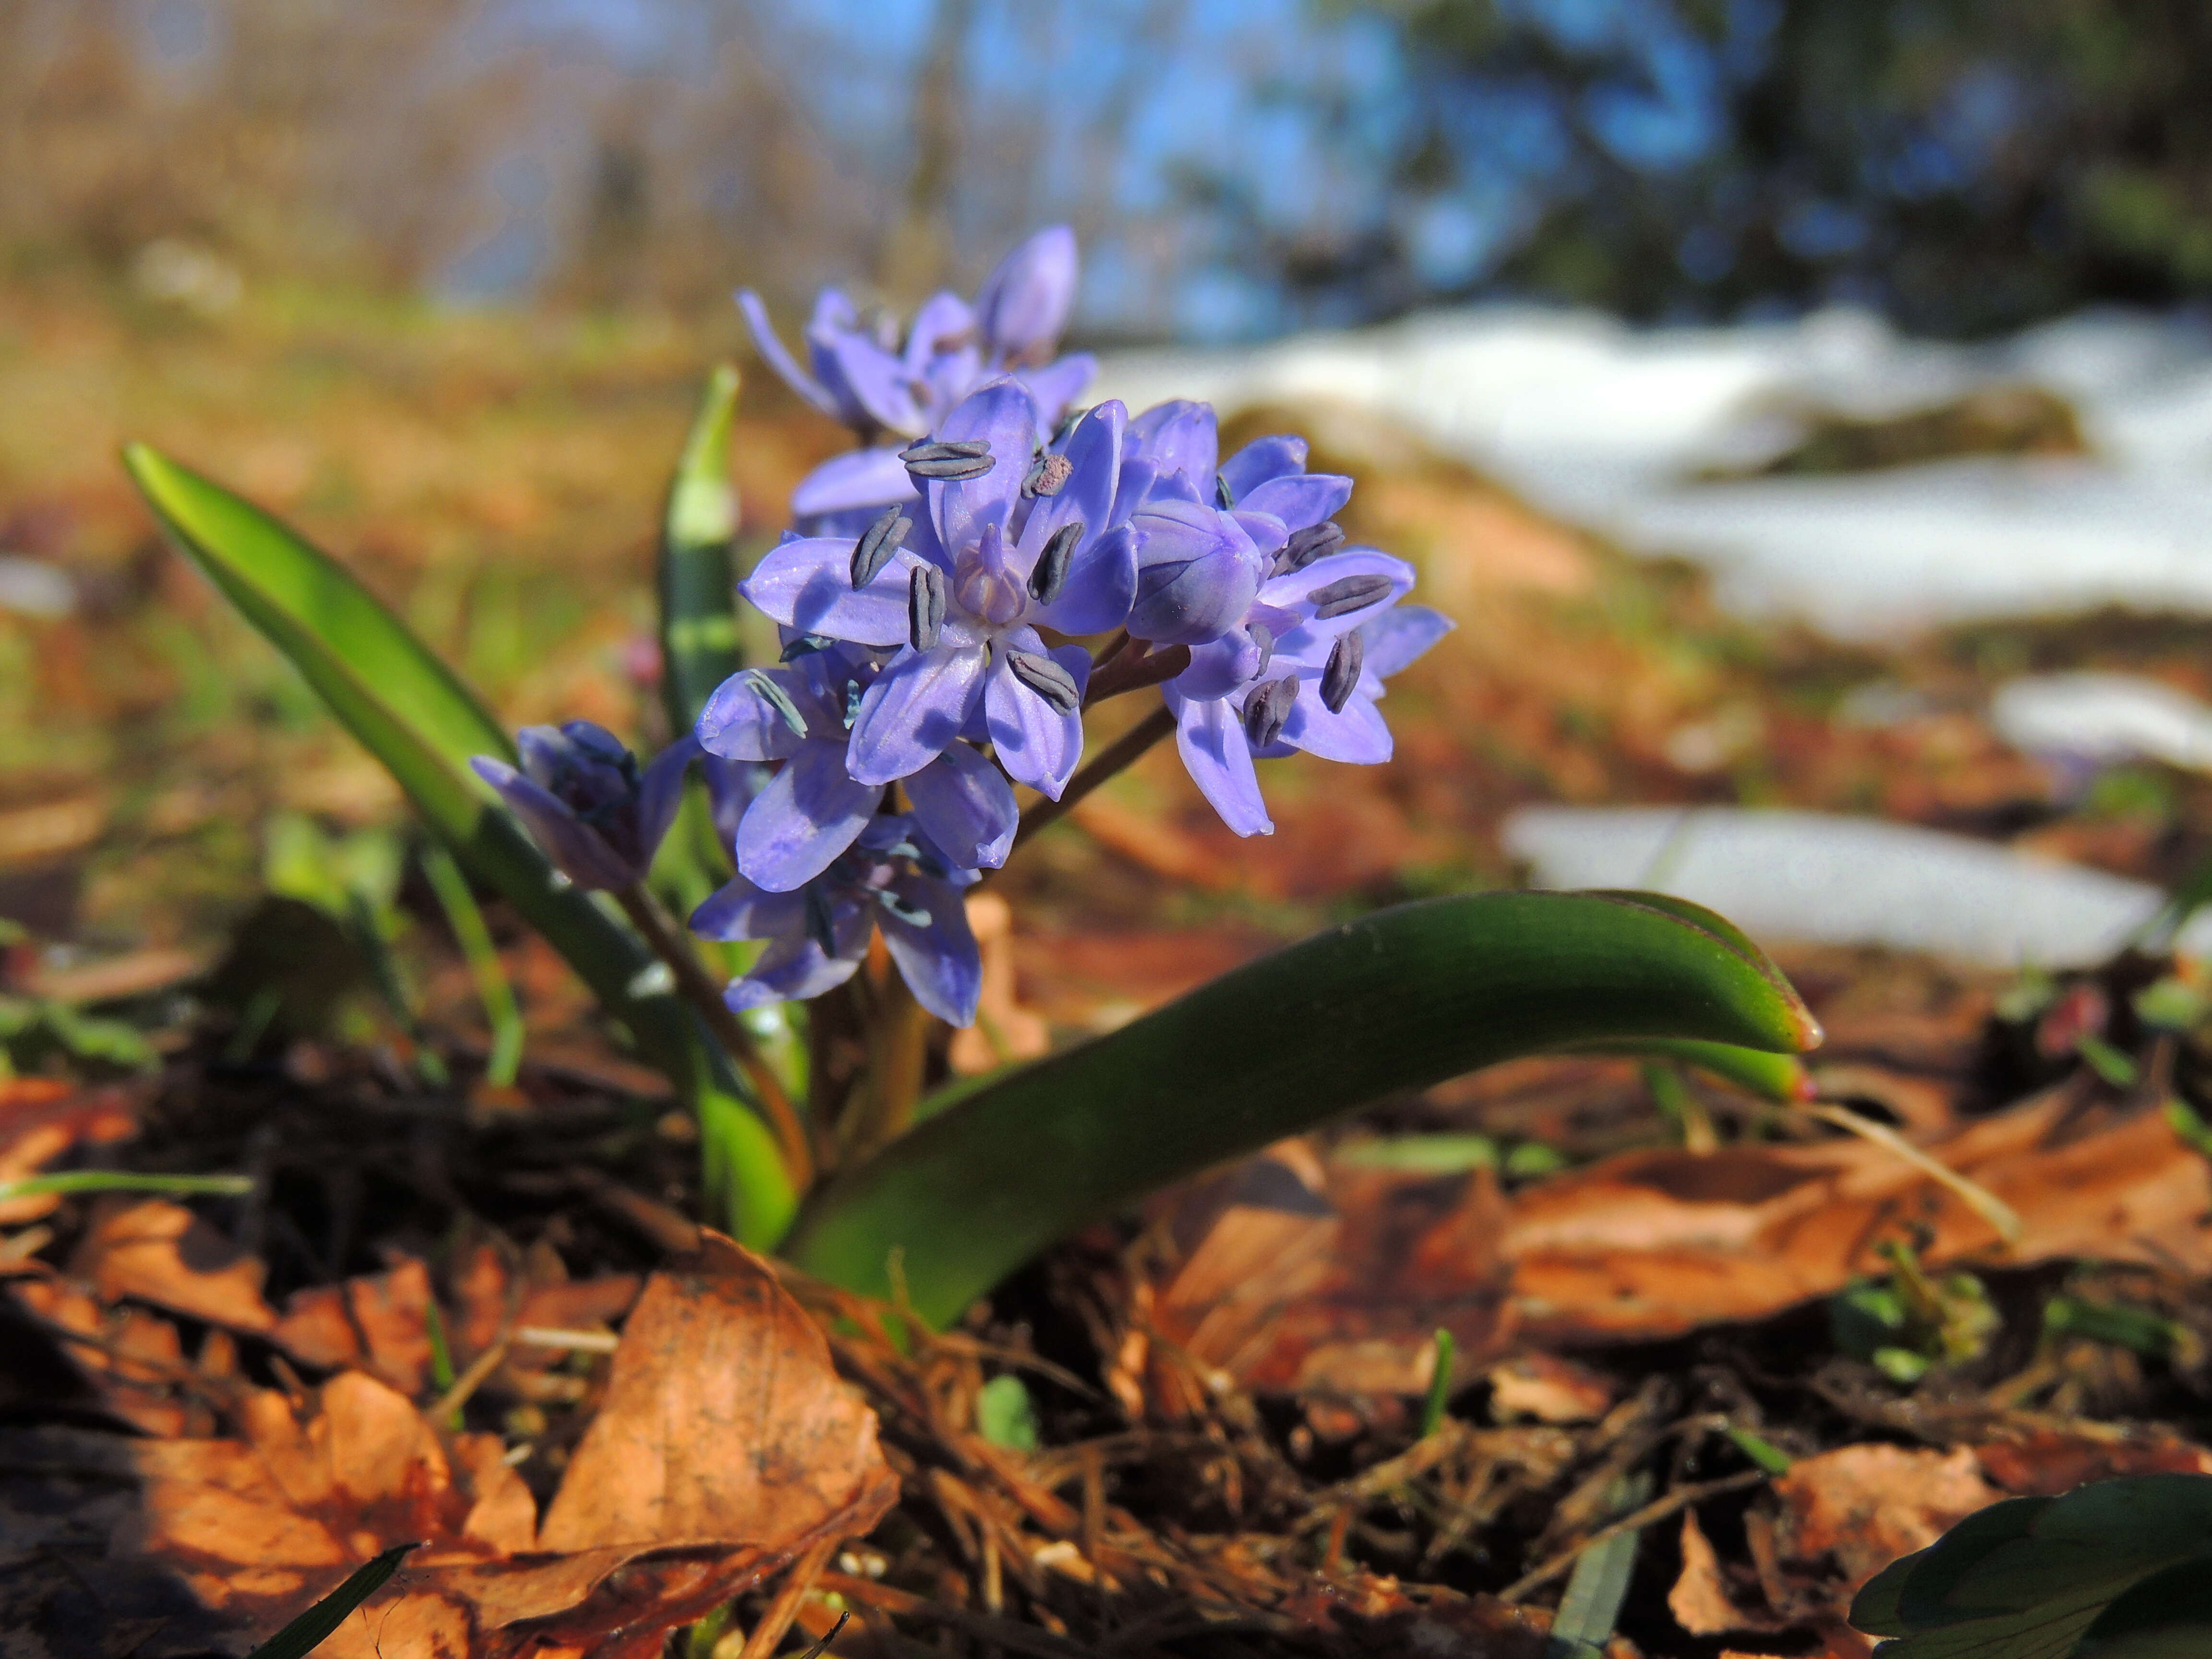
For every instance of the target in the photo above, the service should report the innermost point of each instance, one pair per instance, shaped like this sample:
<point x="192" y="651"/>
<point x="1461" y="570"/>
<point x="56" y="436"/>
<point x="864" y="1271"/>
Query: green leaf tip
<point x="1400" y="1000"/>
<point x="314" y="1626"/>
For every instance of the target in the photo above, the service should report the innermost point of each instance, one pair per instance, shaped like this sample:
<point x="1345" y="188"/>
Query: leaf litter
<point x="468" y="1325"/>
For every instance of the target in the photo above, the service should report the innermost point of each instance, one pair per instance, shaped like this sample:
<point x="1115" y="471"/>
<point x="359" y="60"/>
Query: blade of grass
<point x="313" y="1627"/>
<point x="493" y="990"/>
<point x="72" y="1182"/>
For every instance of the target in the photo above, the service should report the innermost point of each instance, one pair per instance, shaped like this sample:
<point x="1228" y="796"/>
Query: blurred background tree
<point x="1238" y="168"/>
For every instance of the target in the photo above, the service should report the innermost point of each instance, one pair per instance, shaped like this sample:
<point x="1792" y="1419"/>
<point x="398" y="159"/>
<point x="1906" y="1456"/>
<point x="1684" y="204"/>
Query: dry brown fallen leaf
<point x="379" y="1322"/>
<point x="726" y="1445"/>
<point x="1289" y="1273"/>
<point x="41" y="1118"/>
<point x="160" y="1252"/>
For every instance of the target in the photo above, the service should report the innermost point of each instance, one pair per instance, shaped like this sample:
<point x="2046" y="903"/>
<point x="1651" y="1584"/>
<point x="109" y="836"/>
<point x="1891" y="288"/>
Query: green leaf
<point x="1396" y="1001"/>
<point x="1591" y="1605"/>
<point x="695" y="572"/>
<point x="1005" y="1415"/>
<point x="2030" y="1578"/>
<point x="490" y="973"/>
<point x="1771" y="1077"/>
<point x="312" y="1628"/>
<point x="416" y="717"/>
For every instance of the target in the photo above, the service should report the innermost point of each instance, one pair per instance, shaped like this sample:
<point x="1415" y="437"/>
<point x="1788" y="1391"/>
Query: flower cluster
<point x="932" y="599"/>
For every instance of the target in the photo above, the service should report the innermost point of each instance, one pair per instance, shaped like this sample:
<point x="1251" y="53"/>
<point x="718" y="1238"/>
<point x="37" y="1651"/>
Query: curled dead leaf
<point x="727" y="1446"/>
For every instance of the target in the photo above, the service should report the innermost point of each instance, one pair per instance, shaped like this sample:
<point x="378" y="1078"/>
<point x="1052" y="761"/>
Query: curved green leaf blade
<point x="2033" y="1578"/>
<point x="695" y="572"/>
<point x="313" y="1627"/>
<point x="1396" y="1001"/>
<point x="415" y="716"/>
<point x="1780" y="1078"/>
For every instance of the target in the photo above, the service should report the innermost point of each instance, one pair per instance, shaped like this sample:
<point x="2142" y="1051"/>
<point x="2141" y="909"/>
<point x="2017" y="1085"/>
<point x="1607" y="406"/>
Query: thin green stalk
<point x="1433" y="1408"/>
<point x="493" y="990"/>
<point x="692" y="984"/>
<point x="123" y="1180"/>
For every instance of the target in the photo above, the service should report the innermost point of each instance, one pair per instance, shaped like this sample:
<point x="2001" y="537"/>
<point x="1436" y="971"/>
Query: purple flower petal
<point x="1134" y="487"/>
<point x="1266" y="531"/>
<point x="791" y="969"/>
<point x="1290" y="590"/>
<point x="1261" y="460"/>
<point x="1094" y="451"/>
<point x="781" y="360"/>
<point x="938" y="959"/>
<point x="1309" y="498"/>
<point x="740" y="724"/>
<point x="1037" y="744"/>
<point x="1022" y="305"/>
<point x="944" y="327"/>
<point x="1220" y="666"/>
<point x="864" y="372"/>
<point x="804" y="819"/>
<point x="1357" y="735"/>
<point x="1003" y="415"/>
<point x="964" y="804"/>
<point x="1198" y="572"/>
<point x="911" y="714"/>
<point x="1178" y="437"/>
<point x="659" y="792"/>
<point x="807" y="585"/>
<point x="858" y="478"/>
<point x="738" y="909"/>
<point x="1056" y="386"/>
<point x="1210" y="737"/>
<point x="1100" y="586"/>
<point x="731" y="786"/>
<point x="577" y="851"/>
<point x="1401" y="634"/>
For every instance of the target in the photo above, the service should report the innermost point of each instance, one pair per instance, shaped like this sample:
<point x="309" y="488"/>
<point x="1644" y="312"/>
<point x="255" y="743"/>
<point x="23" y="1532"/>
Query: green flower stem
<point x="692" y="984"/>
<point x="882" y="1109"/>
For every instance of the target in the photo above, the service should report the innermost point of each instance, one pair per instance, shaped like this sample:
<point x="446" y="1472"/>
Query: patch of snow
<point x="1602" y="424"/>
<point x="1813" y="878"/>
<point x="2100" y="719"/>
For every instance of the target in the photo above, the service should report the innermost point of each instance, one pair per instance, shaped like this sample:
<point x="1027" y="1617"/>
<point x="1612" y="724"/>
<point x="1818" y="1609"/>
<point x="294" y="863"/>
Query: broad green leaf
<point x="312" y="1628"/>
<point x="2167" y="1616"/>
<point x="2029" y="1577"/>
<point x="1397" y="1000"/>
<point x="416" y="717"/>
<point x="697" y="576"/>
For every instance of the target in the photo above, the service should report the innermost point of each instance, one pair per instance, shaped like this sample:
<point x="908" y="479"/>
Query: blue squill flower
<point x="889" y="877"/>
<point x="1200" y="558"/>
<point x="800" y="715"/>
<point x="865" y="378"/>
<point x="1010" y="538"/>
<point x="1305" y="662"/>
<point x="585" y="801"/>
